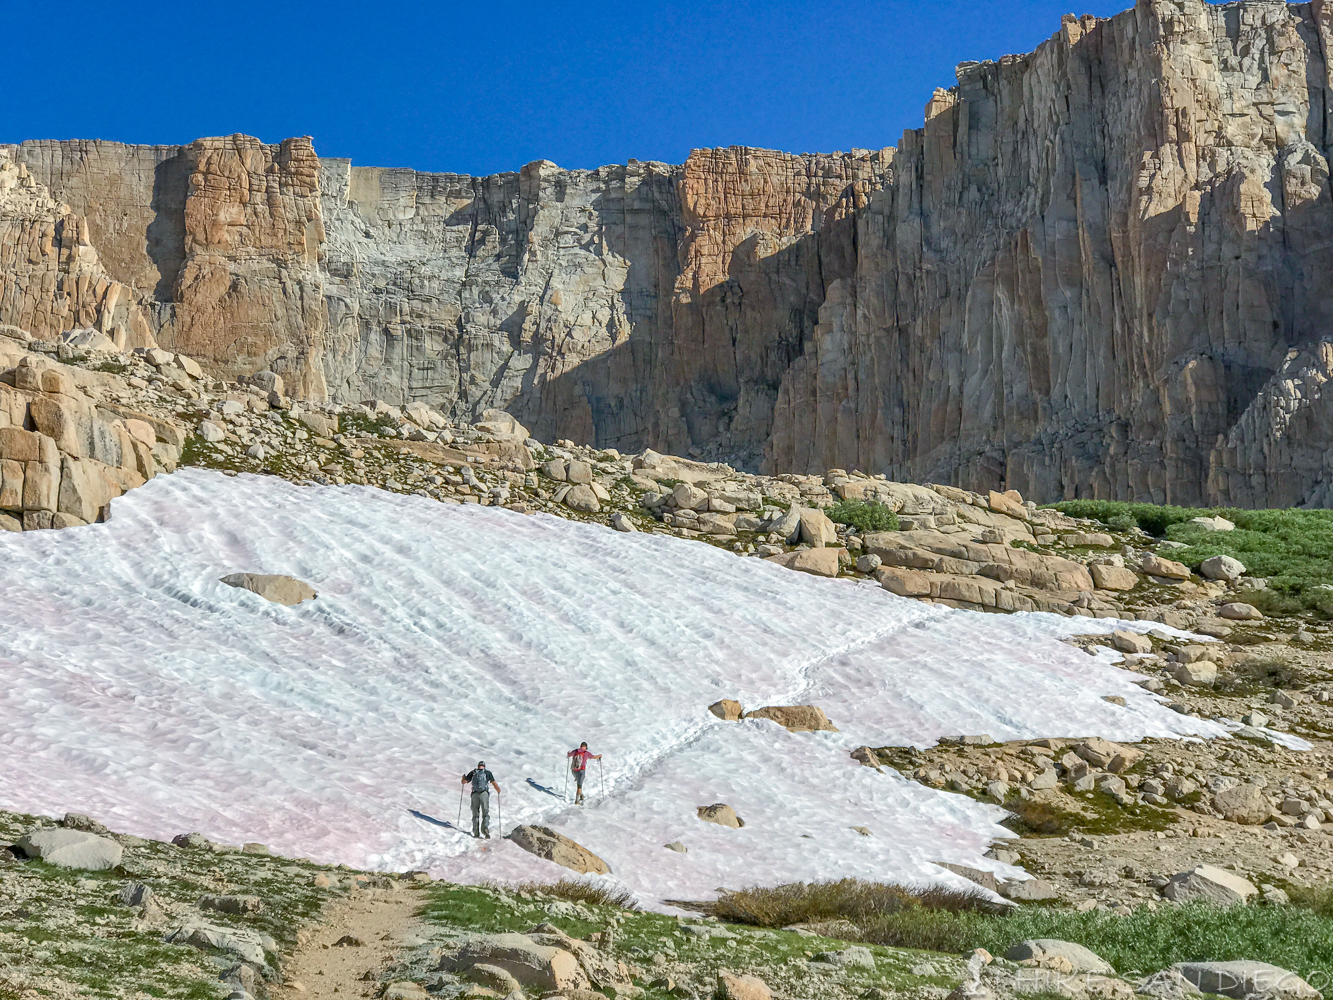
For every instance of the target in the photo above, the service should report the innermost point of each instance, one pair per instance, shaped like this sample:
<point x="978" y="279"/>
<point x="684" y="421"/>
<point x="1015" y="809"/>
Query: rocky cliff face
<point x="1098" y="270"/>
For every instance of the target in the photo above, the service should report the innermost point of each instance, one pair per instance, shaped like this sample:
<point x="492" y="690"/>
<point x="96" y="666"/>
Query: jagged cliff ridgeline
<point x="1101" y="269"/>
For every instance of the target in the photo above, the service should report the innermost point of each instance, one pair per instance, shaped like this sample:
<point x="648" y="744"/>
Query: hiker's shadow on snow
<point x="431" y="819"/>
<point x="543" y="788"/>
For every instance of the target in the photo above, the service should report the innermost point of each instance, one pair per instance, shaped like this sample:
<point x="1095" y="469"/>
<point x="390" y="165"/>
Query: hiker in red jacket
<point x="579" y="765"/>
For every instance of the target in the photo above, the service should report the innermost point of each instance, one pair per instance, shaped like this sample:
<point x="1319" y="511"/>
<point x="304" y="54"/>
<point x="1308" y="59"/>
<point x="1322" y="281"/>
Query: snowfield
<point x="136" y="687"/>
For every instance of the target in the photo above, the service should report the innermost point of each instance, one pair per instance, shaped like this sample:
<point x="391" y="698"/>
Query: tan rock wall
<point x="51" y="276"/>
<point x="1089" y="265"/>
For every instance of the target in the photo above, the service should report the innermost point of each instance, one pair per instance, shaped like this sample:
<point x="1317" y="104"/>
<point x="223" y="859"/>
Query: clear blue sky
<point x="484" y="87"/>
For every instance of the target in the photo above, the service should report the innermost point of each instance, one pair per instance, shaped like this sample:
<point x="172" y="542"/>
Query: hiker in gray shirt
<point x="481" y="799"/>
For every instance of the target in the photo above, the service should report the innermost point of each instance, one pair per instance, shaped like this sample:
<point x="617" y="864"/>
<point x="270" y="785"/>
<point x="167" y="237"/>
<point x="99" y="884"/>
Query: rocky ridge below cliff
<point x="952" y="547"/>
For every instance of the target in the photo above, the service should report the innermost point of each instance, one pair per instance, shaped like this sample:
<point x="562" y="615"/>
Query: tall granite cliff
<point x="1101" y="269"/>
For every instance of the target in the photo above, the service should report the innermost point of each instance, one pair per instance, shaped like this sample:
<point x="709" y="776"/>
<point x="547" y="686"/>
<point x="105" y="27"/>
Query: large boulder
<point x="323" y="425"/>
<point x="579" y="473"/>
<point x="582" y="498"/>
<point x="1155" y="565"/>
<point x="1048" y="952"/>
<point x="816" y="529"/>
<point x="721" y="814"/>
<point x="1105" y="754"/>
<point x="277" y="588"/>
<point x="246" y="944"/>
<point x="734" y="986"/>
<point x="1240" y="612"/>
<point x="1029" y="890"/>
<point x="1200" y="674"/>
<point x="783" y="523"/>
<point x="539" y="967"/>
<point x="903" y="582"/>
<point x="854" y="957"/>
<point x="689" y="497"/>
<point x="1004" y="504"/>
<point x="71" y="849"/>
<point x="1246" y="979"/>
<point x="601" y="967"/>
<point x="1130" y="642"/>
<point x="795" y="718"/>
<point x="1113" y="577"/>
<point x="727" y="710"/>
<point x="1222" y="568"/>
<point x="501" y="426"/>
<point x="1244" y="803"/>
<point x="818" y="562"/>
<point x="1208" y="884"/>
<point x="546" y="843"/>
<point x="1217" y="523"/>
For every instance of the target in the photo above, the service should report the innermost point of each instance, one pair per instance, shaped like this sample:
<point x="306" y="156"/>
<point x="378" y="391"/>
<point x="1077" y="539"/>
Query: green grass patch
<point x="1144" y="942"/>
<point x="1292" y="548"/>
<point x="1152" y="518"/>
<point x="495" y="911"/>
<point x="365" y="426"/>
<point x="864" y="515"/>
<point x="1297" y="937"/>
<point x="111" y="367"/>
<point x="1103" y="816"/>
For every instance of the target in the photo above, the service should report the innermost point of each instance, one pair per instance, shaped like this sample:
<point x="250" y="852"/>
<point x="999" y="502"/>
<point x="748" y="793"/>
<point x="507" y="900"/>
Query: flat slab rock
<point x="1210" y="884"/>
<point x="546" y="843"/>
<point x="721" y="814"/>
<point x="795" y="718"/>
<point x="533" y="965"/>
<point x="1049" y="952"/>
<point x="72" y="849"/>
<point x="273" y="587"/>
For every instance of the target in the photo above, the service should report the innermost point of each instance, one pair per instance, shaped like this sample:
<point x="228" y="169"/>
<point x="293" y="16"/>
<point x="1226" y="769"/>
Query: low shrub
<point x="366" y="426"/>
<point x="1150" y="517"/>
<point x="576" y="891"/>
<point x="846" y="899"/>
<point x="864" y="515"/>
<point x="1293" y="549"/>
<point x="1316" y="899"/>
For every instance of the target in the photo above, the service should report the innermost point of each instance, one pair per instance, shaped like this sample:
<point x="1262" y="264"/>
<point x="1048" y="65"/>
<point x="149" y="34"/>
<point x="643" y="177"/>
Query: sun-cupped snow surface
<point x="136" y="687"/>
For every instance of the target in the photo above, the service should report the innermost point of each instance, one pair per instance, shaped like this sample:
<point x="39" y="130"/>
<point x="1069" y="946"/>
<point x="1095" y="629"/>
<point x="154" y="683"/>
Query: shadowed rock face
<point x="1097" y="270"/>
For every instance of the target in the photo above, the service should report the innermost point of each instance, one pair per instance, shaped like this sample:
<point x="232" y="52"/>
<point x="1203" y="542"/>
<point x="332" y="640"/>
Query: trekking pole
<point x="459" y="822"/>
<point x="602" y="774"/>
<point x="564" y="792"/>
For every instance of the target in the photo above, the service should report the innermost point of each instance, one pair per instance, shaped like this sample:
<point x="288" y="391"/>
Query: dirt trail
<point x="385" y="923"/>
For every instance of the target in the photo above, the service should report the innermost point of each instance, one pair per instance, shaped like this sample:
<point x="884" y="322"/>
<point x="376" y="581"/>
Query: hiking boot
<point x="487" y="835"/>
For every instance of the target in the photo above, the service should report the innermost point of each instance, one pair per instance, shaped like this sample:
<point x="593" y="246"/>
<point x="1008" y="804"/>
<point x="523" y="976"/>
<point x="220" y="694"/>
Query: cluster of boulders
<point x="66" y="450"/>
<point x="1038" y="765"/>
<point x="1128" y="774"/>
<point x="1148" y="803"/>
<point x="544" y="960"/>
